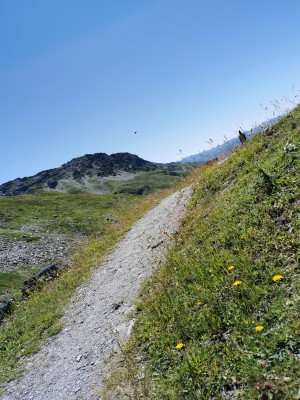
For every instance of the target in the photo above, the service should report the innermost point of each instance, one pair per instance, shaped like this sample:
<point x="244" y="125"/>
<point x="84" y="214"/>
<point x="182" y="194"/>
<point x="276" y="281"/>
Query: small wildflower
<point x="259" y="328"/>
<point x="277" y="278"/>
<point x="199" y="303"/>
<point x="237" y="283"/>
<point x="264" y="363"/>
<point x="230" y="268"/>
<point x="267" y="385"/>
<point x="179" y="345"/>
<point x="170" y="237"/>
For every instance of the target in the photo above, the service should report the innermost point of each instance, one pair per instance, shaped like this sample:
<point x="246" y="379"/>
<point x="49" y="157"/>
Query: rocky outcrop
<point x="90" y="165"/>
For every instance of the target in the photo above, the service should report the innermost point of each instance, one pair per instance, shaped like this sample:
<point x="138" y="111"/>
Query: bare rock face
<point x="5" y="308"/>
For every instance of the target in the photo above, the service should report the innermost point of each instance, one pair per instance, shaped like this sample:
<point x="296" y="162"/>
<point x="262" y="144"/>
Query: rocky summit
<point x="77" y="173"/>
<point x="81" y="174"/>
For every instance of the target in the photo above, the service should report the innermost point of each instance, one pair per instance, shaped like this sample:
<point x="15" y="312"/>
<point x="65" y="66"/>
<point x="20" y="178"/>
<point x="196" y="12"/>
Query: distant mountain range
<point x="96" y="173"/>
<point x="226" y="147"/>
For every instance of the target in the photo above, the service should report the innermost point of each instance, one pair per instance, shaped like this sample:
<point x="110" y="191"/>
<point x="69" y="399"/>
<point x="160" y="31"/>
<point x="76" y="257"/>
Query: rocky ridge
<point x="77" y="172"/>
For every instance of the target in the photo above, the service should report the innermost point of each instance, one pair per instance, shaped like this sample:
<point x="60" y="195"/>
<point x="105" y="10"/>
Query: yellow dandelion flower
<point x="170" y="237"/>
<point x="277" y="278"/>
<point x="179" y="345"/>
<point x="259" y="328"/>
<point x="230" y="268"/>
<point x="237" y="283"/>
<point x="199" y="303"/>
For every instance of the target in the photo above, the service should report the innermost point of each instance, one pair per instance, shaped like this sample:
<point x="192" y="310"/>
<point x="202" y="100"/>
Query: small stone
<point x="79" y="357"/>
<point x="116" y="306"/>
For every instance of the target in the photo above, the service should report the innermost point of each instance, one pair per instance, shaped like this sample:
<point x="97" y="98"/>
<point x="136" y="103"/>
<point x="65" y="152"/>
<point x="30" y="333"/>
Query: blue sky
<point x="81" y="76"/>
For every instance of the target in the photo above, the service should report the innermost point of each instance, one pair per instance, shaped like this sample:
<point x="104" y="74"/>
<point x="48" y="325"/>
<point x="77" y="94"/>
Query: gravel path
<point x="69" y="366"/>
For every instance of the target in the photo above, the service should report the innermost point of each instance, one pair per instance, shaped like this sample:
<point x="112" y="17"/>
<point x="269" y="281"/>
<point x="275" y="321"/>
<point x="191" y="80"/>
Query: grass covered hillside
<point x="220" y="320"/>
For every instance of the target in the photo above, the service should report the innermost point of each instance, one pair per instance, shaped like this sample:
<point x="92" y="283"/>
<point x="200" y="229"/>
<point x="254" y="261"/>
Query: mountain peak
<point x="81" y="174"/>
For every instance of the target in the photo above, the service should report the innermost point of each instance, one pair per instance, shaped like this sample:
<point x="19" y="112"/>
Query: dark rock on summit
<point x="77" y="172"/>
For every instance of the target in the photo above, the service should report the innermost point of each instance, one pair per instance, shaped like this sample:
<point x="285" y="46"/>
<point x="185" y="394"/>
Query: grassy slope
<point x="144" y="182"/>
<point x="102" y="219"/>
<point x="147" y="182"/>
<point x="197" y="327"/>
<point x="10" y="282"/>
<point x="61" y="213"/>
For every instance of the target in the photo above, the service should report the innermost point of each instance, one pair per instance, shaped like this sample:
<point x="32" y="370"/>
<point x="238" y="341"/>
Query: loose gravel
<point x="22" y="255"/>
<point x="70" y="365"/>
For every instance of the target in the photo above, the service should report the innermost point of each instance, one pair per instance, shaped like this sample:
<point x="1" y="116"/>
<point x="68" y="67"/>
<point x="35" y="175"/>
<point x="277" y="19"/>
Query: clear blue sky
<point x="81" y="76"/>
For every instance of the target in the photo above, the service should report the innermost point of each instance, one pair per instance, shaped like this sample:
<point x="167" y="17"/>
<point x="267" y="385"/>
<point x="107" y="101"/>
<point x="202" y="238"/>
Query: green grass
<point x="61" y="213"/>
<point x="147" y="182"/>
<point x="10" y="282"/>
<point x="244" y="213"/>
<point x="20" y="236"/>
<point x="102" y="219"/>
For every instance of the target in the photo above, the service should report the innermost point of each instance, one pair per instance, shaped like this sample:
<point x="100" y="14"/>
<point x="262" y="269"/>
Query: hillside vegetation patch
<point x="220" y="320"/>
